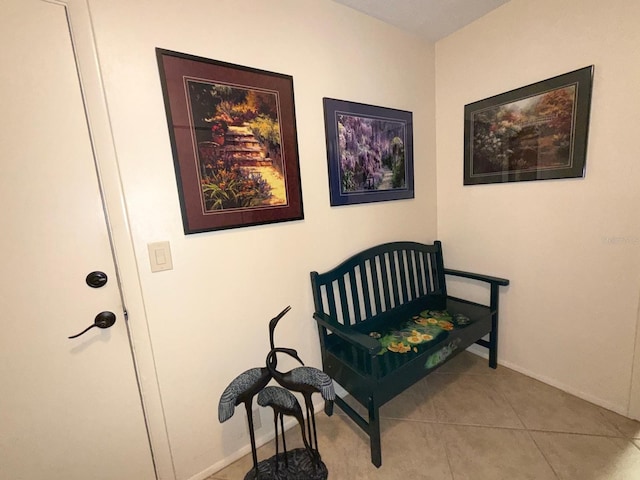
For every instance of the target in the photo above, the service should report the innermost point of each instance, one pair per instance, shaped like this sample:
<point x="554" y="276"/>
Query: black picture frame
<point x="536" y="132"/>
<point x="234" y="142"/>
<point x="369" y="152"/>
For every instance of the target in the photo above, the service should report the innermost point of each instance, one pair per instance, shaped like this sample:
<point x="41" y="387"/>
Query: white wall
<point x="570" y="247"/>
<point x="208" y="316"/>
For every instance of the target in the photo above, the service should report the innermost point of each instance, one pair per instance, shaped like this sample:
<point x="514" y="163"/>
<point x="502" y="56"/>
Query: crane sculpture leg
<point x="283" y="402"/>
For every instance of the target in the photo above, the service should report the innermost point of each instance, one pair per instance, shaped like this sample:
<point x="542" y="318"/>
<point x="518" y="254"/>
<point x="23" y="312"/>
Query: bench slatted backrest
<point x="379" y="279"/>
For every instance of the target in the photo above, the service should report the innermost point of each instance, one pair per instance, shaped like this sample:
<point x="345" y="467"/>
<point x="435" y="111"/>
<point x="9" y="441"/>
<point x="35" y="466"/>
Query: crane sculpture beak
<point x="274" y="321"/>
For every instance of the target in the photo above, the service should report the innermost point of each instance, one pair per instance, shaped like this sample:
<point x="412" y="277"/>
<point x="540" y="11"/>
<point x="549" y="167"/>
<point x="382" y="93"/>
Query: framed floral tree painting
<point x="537" y="132"/>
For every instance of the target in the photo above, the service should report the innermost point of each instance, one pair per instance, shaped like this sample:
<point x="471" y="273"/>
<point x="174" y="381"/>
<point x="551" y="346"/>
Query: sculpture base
<point x="301" y="467"/>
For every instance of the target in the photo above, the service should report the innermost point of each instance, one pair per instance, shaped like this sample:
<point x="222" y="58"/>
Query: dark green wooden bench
<point x="385" y="321"/>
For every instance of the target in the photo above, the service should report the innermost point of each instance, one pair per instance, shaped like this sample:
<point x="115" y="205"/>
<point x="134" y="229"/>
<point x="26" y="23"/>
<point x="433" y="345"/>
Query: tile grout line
<point x="524" y="427"/>
<point x="501" y="427"/>
<point x="530" y="435"/>
<point x="446" y="454"/>
<point x="543" y="454"/>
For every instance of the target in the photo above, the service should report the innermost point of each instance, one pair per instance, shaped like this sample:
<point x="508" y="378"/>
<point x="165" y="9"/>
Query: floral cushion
<point x="420" y="331"/>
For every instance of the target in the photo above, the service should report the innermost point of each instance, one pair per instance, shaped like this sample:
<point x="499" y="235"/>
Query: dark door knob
<point x="96" y="279"/>
<point x="102" y="320"/>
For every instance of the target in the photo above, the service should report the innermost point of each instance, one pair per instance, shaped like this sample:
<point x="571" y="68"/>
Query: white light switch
<point x="160" y="256"/>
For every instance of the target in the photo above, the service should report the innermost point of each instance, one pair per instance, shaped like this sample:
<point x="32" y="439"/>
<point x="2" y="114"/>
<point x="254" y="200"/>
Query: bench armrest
<point x="371" y="345"/>
<point x="477" y="276"/>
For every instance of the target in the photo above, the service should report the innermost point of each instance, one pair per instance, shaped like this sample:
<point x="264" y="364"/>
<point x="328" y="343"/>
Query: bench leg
<point x="493" y="349"/>
<point x="493" y="337"/>
<point x="374" y="432"/>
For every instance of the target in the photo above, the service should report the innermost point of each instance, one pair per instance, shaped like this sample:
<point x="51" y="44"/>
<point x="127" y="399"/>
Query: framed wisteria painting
<point x="536" y="132"/>
<point x="234" y="141"/>
<point x="369" y="152"/>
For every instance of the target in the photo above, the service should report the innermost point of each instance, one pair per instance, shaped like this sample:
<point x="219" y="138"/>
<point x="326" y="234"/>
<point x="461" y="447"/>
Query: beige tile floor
<point x="469" y="422"/>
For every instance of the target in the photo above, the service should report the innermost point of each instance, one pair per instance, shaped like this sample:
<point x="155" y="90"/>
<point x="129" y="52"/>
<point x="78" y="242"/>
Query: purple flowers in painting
<point x="371" y="153"/>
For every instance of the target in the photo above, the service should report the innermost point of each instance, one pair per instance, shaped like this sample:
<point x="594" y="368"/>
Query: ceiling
<point x="429" y="19"/>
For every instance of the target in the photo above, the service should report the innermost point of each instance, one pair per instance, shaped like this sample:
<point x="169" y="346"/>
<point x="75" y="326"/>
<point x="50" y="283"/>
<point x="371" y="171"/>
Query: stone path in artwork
<point x="275" y="181"/>
<point x="387" y="179"/>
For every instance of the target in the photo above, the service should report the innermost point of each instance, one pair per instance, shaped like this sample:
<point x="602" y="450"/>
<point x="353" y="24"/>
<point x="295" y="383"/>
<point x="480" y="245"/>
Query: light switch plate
<point x="160" y="256"/>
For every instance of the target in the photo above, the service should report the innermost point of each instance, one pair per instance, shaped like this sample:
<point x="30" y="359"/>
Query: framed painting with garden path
<point x="234" y="141"/>
<point x="369" y="152"/>
<point x="537" y="132"/>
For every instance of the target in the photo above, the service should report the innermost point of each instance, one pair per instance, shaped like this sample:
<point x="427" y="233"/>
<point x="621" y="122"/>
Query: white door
<point x="70" y="409"/>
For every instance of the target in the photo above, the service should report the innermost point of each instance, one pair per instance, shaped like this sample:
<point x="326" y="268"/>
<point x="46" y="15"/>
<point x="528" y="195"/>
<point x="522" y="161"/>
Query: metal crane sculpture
<point x="242" y="389"/>
<point x="305" y="380"/>
<point x="283" y="402"/>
